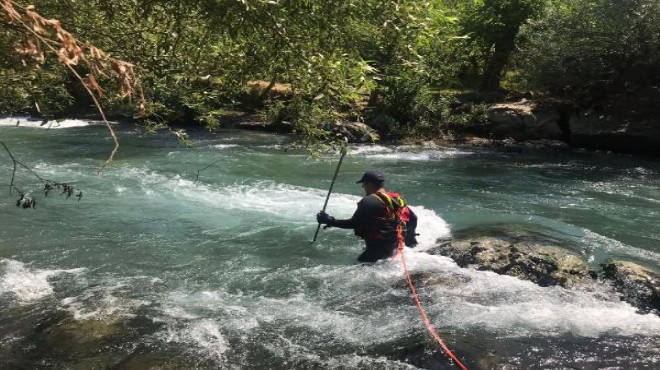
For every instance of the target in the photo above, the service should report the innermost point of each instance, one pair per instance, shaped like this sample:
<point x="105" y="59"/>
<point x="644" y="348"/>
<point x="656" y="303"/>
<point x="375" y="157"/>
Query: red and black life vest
<point x="385" y="226"/>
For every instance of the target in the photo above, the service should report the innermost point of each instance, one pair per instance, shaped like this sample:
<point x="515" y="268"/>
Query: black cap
<point x="372" y="176"/>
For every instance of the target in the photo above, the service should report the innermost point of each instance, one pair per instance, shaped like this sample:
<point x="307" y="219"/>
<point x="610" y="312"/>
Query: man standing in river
<point x="380" y="219"/>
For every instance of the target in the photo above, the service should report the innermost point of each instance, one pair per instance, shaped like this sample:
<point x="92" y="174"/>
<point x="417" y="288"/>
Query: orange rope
<point x="425" y="318"/>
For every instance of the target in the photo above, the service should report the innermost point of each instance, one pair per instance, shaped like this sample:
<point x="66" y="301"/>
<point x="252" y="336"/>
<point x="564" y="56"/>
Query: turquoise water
<point x="217" y="271"/>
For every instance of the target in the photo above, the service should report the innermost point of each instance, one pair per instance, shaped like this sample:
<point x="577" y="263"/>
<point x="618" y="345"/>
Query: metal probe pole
<point x="343" y="153"/>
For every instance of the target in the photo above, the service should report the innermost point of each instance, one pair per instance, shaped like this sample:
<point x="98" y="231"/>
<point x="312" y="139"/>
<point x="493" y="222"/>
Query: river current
<point x="200" y="256"/>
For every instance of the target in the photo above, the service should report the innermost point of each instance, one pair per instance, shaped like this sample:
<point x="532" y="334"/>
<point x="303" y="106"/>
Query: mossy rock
<point x="638" y="285"/>
<point x="541" y="262"/>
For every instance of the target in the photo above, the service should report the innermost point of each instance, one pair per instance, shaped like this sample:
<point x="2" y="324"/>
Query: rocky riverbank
<point x="590" y="128"/>
<point x="513" y="126"/>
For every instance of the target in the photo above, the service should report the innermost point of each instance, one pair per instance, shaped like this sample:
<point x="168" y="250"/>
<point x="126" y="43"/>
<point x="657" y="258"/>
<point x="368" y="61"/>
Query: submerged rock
<point x="93" y="342"/>
<point x="638" y="285"/>
<point x="154" y="362"/>
<point x="73" y="338"/>
<point x="520" y="256"/>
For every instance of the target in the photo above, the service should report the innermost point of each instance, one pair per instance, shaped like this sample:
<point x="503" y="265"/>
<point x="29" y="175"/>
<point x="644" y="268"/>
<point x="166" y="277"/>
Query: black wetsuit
<point x="369" y="208"/>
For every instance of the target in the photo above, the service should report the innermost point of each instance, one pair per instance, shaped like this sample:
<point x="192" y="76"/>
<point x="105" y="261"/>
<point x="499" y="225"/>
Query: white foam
<point x="282" y="202"/>
<point x="332" y="307"/>
<point x="106" y="299"/>
<point x="184" y="307"/>
<point x="52" y="124"/>
<point x="28" y="284"/>
<point x="511" y="306"/>
<point x="204" y="335"/>
<point x="272" y="146"/>
<point x="370" y="149"/>
<point x="371" y="305"/>
<point x="295" y="352"/>
<point x="430" y="228"/>
<point x="355" y="361"/>
<point x="262" y="197"/>
<point x="406" y="153"/>
<point x="224" y="146"/>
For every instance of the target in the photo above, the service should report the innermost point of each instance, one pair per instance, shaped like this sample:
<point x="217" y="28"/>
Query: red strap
<point x="425" y="318"/>
<point x="399" y="236"/>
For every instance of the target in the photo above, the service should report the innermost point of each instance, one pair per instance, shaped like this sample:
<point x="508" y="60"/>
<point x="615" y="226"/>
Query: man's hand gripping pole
<point x="332" y="184"/>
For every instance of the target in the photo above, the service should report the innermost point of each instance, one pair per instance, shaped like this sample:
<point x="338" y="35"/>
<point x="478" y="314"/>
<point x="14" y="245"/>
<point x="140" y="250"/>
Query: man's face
<point x="369" y="188"/>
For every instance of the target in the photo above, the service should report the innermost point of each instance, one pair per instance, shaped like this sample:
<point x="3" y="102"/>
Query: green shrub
<point x="588" y="48"/>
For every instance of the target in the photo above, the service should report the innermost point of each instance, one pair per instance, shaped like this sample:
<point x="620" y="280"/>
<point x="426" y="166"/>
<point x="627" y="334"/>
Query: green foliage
<point x="341" y="60"/>
<point x="33" y="92"/>
<point x="493" y="26"/>
<point x="15" y="95"/>
<point x="412" y="108"/>
<point x="409" y="102"/>
<point x="589" y="48"/>
<point x="28" y="90"/>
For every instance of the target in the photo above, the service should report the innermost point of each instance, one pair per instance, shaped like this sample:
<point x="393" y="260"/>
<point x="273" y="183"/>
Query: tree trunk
<point x="495" y="66"/>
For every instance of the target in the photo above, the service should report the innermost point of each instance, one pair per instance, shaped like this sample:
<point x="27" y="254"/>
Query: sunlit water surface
<point x="215" y="269"/>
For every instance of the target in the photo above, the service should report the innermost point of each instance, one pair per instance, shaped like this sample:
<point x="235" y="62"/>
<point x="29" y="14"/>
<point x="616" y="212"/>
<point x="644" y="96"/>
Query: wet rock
<point x="524" y="120"/>
<point x="556" y="145"/>
<point x="512" y="146"/>
<point x="428" y="279"/>
<point x="544" y="264"/>
<point x="62" y="341"/>
<point x="433" y="279"/>
<point x="73" y="338"/>
<point x="354" y="132"/>
<point x="382" y="122"/>
<point x="153" y="362"/>
<point x="638" y="285"/>
<point x="98" y="362"/>
<point x="418" y="351"/>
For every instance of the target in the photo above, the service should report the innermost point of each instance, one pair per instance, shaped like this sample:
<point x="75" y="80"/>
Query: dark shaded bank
<point x="619" y="131"/>
<point x="510" y="125"/>
<point x="501" y="119"/>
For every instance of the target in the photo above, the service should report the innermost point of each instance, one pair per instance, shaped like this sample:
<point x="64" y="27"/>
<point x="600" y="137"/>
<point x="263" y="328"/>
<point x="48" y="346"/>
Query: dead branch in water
<point x="26" y="201"/>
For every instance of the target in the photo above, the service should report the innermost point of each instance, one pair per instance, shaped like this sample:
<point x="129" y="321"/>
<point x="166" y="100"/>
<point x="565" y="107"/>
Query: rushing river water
<point x="157" y="266"/>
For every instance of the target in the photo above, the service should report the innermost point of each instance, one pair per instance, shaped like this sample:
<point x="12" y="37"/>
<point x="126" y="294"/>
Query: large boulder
<point x="90" y="342"/>
<point x="542" y="263"/>
<point x="70" y="338"/>
<point x="524" y="120"/>
<point x="383" y="122"/>
<point x="638" y="285"/>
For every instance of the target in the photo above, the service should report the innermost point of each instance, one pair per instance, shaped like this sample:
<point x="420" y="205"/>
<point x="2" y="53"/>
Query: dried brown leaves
<point x="42" y="36"/>
<point x="48" y="35"/>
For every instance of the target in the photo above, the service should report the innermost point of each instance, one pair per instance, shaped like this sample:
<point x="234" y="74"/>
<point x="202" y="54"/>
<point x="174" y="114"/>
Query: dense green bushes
<point x="352" y="59"/>
<point x="587" y="49"/>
